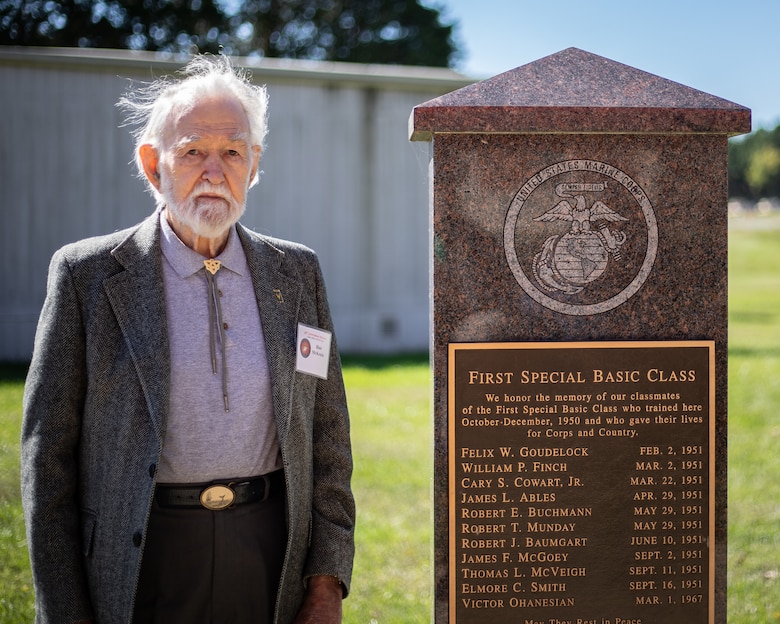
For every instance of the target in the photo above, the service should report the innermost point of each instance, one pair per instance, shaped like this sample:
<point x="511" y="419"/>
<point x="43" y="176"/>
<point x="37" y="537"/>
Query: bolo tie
<point x="216" y="325"/>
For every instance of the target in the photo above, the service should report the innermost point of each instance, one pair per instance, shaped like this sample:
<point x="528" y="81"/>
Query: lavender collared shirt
<point x="203" y="442"/>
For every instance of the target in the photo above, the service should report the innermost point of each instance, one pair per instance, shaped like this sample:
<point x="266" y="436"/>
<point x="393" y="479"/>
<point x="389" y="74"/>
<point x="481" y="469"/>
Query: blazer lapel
<point x="278" y="299"/>
<point x="138" y="299"/>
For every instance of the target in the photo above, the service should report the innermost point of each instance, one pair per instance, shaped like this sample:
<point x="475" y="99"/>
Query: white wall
<point x="339" y="175"/>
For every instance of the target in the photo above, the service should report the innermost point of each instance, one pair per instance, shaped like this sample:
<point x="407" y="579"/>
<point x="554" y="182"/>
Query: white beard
<point x="209" y="217"/>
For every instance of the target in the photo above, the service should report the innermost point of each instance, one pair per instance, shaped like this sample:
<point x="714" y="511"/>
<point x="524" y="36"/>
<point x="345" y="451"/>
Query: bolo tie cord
<point x="216" y="325"/>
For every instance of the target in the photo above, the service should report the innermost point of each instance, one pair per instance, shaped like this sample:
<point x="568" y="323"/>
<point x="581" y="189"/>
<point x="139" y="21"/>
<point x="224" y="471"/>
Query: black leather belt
<point x="221" y="495"/>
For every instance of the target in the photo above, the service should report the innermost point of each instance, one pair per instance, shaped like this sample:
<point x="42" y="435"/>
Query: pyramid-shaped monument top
<point x="579" y="92"/>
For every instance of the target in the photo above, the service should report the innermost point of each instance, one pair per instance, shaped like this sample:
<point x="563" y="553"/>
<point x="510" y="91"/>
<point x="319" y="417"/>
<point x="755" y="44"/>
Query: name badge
<point x="313" y="352"/>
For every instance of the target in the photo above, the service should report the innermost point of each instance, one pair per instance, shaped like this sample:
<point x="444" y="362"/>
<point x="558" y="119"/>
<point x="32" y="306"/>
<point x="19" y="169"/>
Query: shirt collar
<point x="186" y="261"/>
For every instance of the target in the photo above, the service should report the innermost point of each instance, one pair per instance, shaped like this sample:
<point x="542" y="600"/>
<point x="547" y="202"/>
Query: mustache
<point x="207" y="188"/>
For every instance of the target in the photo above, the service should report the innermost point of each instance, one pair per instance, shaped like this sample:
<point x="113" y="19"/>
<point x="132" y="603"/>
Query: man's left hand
<point x="322" y="603"/>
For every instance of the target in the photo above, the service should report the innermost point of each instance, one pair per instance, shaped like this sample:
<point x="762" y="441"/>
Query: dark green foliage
<point x="754" y="165"/>
<point x="403" y="32"/>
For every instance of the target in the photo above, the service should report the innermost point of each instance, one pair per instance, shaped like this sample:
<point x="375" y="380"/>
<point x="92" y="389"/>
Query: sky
<point x="730" y="49"/>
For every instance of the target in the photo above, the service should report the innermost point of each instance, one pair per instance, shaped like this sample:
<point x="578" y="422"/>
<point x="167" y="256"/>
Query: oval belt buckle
<point x="216" y="497"/>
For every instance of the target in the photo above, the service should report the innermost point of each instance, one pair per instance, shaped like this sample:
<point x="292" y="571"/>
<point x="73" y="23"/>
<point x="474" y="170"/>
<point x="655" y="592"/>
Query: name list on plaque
<point x="581" y="479"/>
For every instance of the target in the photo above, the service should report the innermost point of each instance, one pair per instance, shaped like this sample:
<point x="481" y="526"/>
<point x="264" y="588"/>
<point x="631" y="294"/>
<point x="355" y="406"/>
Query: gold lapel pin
<point x="278" y="295"/>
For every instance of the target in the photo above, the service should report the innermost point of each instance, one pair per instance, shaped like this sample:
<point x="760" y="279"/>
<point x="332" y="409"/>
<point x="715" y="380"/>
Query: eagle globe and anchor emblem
<point x="572" y="262"/>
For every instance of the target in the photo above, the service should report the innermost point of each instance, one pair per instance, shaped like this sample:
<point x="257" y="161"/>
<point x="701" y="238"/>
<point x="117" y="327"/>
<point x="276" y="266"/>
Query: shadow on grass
<point x="752" y="317"/>
<point x="13" y="371"/>
<point x="378" y="362"/>
<point x="17" y="371"/>
<point x="750" y="352"/>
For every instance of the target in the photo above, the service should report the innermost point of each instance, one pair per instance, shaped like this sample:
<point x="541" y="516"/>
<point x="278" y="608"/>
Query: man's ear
<point x="150" y="160"/>
<point x="256" y="153"/>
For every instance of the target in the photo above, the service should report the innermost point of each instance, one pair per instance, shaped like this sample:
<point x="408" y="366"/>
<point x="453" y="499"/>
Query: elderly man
<point x="185" y="445"/>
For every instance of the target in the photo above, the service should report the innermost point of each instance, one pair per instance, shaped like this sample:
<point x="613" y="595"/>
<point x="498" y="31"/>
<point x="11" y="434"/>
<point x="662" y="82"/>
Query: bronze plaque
<point x="581" y="481"/>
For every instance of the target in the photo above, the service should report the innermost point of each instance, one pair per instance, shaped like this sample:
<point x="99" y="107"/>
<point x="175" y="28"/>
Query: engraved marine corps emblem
<point x="580" y="237"/>
<point x="569" y="262"/>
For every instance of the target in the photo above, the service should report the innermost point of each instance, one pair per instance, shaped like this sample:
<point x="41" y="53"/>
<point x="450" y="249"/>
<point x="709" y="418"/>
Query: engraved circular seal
<point x="580" y="237"/>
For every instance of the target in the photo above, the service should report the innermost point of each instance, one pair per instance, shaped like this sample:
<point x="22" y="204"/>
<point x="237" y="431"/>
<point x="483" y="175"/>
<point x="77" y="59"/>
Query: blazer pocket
<point x="88" y="521"/>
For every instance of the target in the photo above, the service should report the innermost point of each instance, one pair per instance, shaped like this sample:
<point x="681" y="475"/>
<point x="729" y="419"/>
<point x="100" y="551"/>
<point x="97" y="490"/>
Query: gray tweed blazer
<point x="95" y="408"/>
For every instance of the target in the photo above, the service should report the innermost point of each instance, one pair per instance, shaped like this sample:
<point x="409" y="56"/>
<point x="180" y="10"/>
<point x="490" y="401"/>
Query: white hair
<point x="151" y="107"/>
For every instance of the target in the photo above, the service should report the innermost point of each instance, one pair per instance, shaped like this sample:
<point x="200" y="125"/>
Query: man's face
<point x="206" y="165"/>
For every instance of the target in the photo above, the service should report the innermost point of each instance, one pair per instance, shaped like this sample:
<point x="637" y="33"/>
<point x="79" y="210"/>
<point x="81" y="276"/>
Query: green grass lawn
<point x="392" y="440"/>
<point x="16" y="597"/>
<point x="754" y="426"/>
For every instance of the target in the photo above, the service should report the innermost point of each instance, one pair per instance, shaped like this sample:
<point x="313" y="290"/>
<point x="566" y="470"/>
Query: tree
<point x="402" y="32"/>
<point x="173" y="25"/>
<point x="754" y="165"/>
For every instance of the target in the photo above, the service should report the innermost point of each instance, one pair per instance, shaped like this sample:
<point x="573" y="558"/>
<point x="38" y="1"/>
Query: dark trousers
<point x="212" y="567"/>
